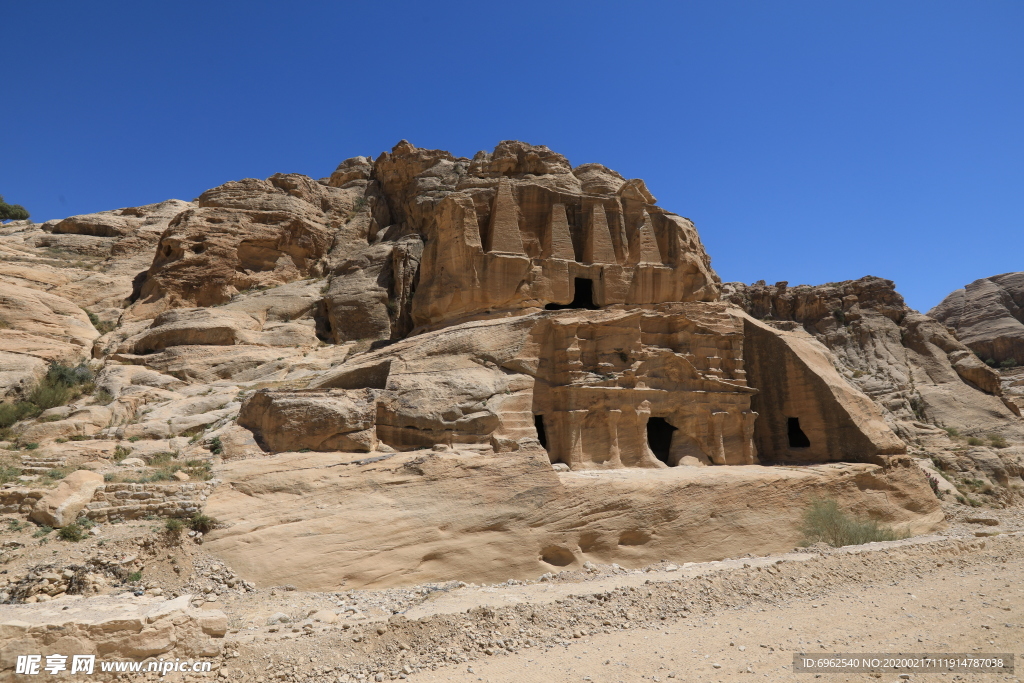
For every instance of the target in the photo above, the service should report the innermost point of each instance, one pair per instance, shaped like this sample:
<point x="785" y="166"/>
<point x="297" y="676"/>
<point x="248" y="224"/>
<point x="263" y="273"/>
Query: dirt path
<point x="948" y="610"/>
<point x="747" y="616"/>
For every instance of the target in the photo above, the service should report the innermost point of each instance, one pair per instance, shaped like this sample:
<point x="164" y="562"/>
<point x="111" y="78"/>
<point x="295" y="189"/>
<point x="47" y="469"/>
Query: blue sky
<point x="809" y="141"/>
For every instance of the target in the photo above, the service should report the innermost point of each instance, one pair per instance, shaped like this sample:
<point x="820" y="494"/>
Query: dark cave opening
<point x="542" y="436"/>
<point x="659" y="438"/>
<point x="797" y="438"/>
<point x="583" y="298"/>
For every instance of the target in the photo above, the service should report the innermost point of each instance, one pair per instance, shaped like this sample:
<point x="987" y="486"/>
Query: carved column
<point x="647" y="457"/>
<point x="613" y="437"/>
<point x="717" y="450"/>
<point x="749" y="449"/>
<point x="574" y="420"/>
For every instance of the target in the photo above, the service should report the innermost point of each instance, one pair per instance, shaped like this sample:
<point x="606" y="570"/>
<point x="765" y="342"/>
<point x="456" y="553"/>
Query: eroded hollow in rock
<point x="373" y="376"/>
<point x="542" y="436"/>
<point x="797" y="438"/>
<point x="659" y="438"/>
<point x="557" y="556"/>
<point x="583" y="296"/>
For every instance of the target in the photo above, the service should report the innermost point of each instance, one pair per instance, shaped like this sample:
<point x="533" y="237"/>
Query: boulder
<point x="60" y="507"/>
<point x="335" y="420"/>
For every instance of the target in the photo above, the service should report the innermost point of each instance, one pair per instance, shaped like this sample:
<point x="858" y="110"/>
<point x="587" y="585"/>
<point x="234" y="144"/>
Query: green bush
<point x="1009" y="363"/>
<point x="9" y="473"/>
<point x="952" y="431"/>
<point x="134" y="577"/>
<point x="42" y="531"/>
<point x="103" y="397"/>
<point x="12" y="212"/>
<point x="121" y="452"/>
<point x="61" y="384"/>
<point x="15" y="412"/>
<point x="68" y="375"/>
<point x="216" y="446"/>
<point x="72" y="532"/>
<point x="174" y="525"/>
<point x="997" y="441"/>
<point x="974" y="441"/>
<point x="825" y="522"/>
<point x="101" y="327"/>
<point x="201" y="523"/>
<point x="199" y="469"/>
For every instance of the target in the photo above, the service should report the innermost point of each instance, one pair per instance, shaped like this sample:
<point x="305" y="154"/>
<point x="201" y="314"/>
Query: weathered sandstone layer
<point x="988" y="316"/>
<point x="496" y="365"/>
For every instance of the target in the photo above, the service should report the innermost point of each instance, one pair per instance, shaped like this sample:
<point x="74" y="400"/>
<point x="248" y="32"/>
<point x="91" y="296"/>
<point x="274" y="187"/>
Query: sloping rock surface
<point x="988" y="316"/>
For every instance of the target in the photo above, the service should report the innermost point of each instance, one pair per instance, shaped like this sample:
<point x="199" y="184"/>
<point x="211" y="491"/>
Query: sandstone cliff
<point x="928" y="384"/>
<point x="988" y="316"/>
<point x="535" y="359"/>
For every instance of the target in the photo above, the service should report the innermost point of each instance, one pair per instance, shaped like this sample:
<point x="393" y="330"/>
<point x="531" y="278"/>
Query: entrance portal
<point x="797" y="438"/>
<point x="583" y="298"/>
<point x="659" y="438"/>
<point x="542" y="436"/>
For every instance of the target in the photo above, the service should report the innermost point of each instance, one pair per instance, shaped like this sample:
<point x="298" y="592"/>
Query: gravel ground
<point x="954" y="591"/>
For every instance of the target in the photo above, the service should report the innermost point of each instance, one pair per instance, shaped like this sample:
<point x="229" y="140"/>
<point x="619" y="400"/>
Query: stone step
<point x="35" y="470"/>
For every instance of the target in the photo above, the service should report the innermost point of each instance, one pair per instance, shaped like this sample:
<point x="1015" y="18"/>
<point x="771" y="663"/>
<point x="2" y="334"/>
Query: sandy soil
<point x="959" y="591"/>
<point x="948" y="609"/>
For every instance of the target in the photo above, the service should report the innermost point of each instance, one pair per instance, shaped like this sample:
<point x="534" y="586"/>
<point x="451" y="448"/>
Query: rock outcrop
<point x="908" y="363"/>
<point x="37" y="328"/>
<point x="988" y="316"/>
<point x="93" y="260"/>
<point x="61" y="506"/>
<point x="109" y="629"/>
<point x="243" y="235"/>
<point x="401" y="519"/>
<point x="507" y="358"/>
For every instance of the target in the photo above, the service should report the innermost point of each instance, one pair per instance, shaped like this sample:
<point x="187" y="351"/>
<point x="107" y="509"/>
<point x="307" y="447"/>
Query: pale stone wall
<point x="113" y="501"/>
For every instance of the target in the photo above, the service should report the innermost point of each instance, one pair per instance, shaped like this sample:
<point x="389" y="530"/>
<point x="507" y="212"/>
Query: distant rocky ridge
<point x="988" y="316"/>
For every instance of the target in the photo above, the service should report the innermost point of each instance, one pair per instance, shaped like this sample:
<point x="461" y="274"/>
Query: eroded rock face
<point x="455" y="514"/>
<point x="37" y="328"/>
<point x="242" y="235"/>
<point x="988" y="316"/>
<point x="91" y="260"/>
<point x="642" y="387"/>
<point x="110" y="628"/>
<point x="909" y="364"/>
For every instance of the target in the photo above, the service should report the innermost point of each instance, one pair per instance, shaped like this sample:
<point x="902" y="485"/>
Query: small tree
<point x="11" y="212"/>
